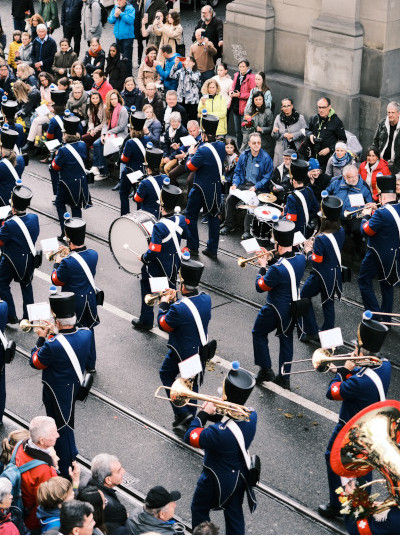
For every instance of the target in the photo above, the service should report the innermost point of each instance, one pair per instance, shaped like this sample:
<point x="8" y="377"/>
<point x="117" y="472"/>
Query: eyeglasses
<point x="322" y="107"/>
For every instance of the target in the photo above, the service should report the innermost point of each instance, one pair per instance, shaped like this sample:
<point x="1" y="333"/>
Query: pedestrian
<point x="78" y="74"/>
<point x="21" y="10"/>
<point x="340" y="158"/>
<point x="91" y="20"/>
<point x="25" y="51"/>
<point x="96" y="118"/>
<point x="50" y="496"/>
<point x="387" y="139"/>
<point x="122" y="17"/>
<point x="214" y="103"/>
<point x="204" y="53"/>
<point x="288" y="130"/>
<point x="171" y="34"/>
<point x="147" y="69"/>
<point x="225" y="82"/>
<point x="370" y="168"/>
<point x="76" y="517"/>
<point x="13" y="49"/>
<point x="34" y="22"/>
<point x="71" y="11"/>
<point x="213" y="28"/>
<point x="188" y="89"/>
<point x="169" y="61"/>
<point x="116" y="68"/>
<point x="48" y="10"/>
<point x="243" y="83"/>
<point x="259" y="119"/>
<point x="101" y="84"/>
<point x="131" y="95"/>
<point x="152" y="32"/>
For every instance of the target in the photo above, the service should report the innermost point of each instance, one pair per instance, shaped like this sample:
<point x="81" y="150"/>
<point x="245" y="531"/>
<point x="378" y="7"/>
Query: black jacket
<point x="158" y="107"/>
<point x="214" y="31"/>
<point x="176" y="139"/>
<point x="44" y="52"/>
<point x="380" y="141"/>
<point x="330" y="130"/>
<point x="116" y="71"/>
<point x="156" y="5"/>
<point x="19" y="7"/>
<point x="29" y="107"/>
<point x="115" y="514"/>
<point x="97" y="64"/>
<point x="179" y="108"/>
<point x="71" y="13"/>
<point x="133" y="98"/>
<point x="86" y="80"/>
<point x="6" y="85"/>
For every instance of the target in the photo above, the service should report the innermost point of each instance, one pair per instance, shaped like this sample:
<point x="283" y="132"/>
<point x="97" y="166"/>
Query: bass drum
<point x="129" y="237"/>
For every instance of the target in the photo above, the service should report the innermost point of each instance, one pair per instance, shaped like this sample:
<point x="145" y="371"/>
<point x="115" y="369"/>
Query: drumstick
<point x="126" y="246"/>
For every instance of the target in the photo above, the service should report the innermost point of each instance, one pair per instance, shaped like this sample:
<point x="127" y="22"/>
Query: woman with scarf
<point x="288" y="130"/>
<point x="78" y="73"/>
<point x="147" y="70"/>
<point x="116" y="68"/>
<point x="340" y="158"/>
<point x="369" y="169"/>
<point x="132" y="95"/>
<point x="95" y="57"/>
<point x="77" y="102"/>
<point x="259" y="119"/>
<point x="188" y="85"/>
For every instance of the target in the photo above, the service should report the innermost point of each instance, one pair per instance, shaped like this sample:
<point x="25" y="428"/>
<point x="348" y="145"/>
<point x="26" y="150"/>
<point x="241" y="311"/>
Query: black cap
<point x="170" y="195"/>
<point x="191" y="272"/>
<point x="9" y="108"/>
<point x="283" y="231"/>
<point x="8" y="137"/>
<point x="331" y="206"/>
<point x="158" y="497"/>
<point x="299" y="169"/>
<point x="59" y="97"/>
<point x="21" y="196"/>
<point x="71" y="124"/>
<point x="386" y="184"/>
<point x="238" y="384"/>
<point x="75" y="229"/>
<point x="371" y="334"/>
<point x="153" y="158"/>
<point x="288" y="152"/>
<point x="138" y="120"/>
<point x="209" y="124"/>
<point x="63" y="305"/>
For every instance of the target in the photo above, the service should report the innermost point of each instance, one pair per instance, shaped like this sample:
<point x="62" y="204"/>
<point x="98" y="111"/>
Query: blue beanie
<point x="313" y="164"/>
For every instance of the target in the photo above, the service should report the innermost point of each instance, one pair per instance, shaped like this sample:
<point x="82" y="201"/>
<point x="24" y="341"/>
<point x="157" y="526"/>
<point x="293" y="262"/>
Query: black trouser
<point x="230" y="209"/>
<point x="191" y="110"/>
<point x="76" y="33"/>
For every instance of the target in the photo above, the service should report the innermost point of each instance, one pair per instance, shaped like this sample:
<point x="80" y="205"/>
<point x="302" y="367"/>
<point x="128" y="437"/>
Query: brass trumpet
<point x="27" y="326"/>
<point x="350" y="213"/>
<point x="180" y="394"/>
<point x="62" y="251"/>
<point x="154" y="298"/>
<point x="242" y="261"/>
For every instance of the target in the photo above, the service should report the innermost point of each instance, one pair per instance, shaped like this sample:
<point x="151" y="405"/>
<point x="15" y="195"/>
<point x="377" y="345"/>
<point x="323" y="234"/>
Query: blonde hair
<point x="9" y="443"/>
<point x="21" y="91"/>
<point x="204" y="89"/>
<point x="25" y="70"/>
<point x="148" y="107"/>
<point x="53" y="492"/>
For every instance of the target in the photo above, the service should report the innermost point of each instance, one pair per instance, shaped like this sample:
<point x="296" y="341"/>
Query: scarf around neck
<point x="341" y="162"/>
<point x="288" y="120"/>
<point x="115" y="116"/>
<point x="95" y="54"/>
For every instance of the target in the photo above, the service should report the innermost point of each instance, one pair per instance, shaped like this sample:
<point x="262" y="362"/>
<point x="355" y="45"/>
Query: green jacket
<point x="49" y="12"/>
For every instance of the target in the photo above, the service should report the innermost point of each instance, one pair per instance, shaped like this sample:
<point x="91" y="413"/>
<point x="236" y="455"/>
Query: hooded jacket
<point x="49" y="519"/>
<point x="142" y="522"/>
<point x="124" y="25"/>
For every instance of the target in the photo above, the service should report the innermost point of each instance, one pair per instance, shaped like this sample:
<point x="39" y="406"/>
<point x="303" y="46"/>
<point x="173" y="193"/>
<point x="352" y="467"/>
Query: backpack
<point x="104" y="14"/>
<point x="13" y="473"/>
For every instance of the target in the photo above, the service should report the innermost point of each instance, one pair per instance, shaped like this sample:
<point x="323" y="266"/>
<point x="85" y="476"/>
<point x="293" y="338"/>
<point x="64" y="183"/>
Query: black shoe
<point x="91" y="370"/>
<point x="225" y="230"/>
<point x="12" y="320"/>
<point x="181" y="421"/>
<point x="62" y="240"/>
<point x="116" y="187"/>
<point x="137" y="324"/>
<point x="209" y="254"/>
<point x="194" y="253"/>
<point x="328" y="511"/>
<point x="246" y="236"/>
<point x="283" y="381"/>
<point x="308" y="338"/>
<point x="265" y="375"/>
<point x="204" y="219"/>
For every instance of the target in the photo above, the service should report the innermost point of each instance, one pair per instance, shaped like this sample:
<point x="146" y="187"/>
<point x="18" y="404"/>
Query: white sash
<point x="77" y="156"/>
<point x="334" y="243"/>
<point x="216" y="156"/>
<point x="237" y="432"/>
<point x="393" y="212"/>
<point x="25" y="231"/>
<point x="3" y="340"/>
<point x="292" y="276"/>
<point x="373" y="376"/>
<point x="304" y="204"/>
<point x="84" y="267"/>
<point x="72" y="356"/>
<point x="196" y="315"/>
<point x="141" y="147"/>
<point x="154" y="183"/>
<point x="11" y="168"/>
<point x="60" y="122"/>
<point x="172" y="228"/>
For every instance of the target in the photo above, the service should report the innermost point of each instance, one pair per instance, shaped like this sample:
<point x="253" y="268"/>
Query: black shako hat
<point x="299" y="169"/>
<point x="21" y="196"/>
<point x="75" y="229"/>
<point x="158" y="497"/>
<point x="9" y="108"/>
<point x="138" y="120"/>
<point x="8" y="137"/>
<point x="371" y="333"/>
<point x="170" y="195"/>
<point x="331" y="206"/>
<point x="63" y="304"/>
<point x="386" y="184"/>
<point x="209" y="124"/>
<point x="71" y="124"/>
<point x="238" y="384"/>
<point x="154" y="157"/>
<point x="191" y="272"/>
<point x="59" y="97"/>
<point x="283" y="231"/>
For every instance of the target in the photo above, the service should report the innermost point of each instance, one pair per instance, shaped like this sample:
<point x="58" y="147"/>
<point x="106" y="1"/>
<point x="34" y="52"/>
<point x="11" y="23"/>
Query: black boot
<point x="283" y="381"/>
<point x="328" y="511"/>
<point x="265" y="375"/>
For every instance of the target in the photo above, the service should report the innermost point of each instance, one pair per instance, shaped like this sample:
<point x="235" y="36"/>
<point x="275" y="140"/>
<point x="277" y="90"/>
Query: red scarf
<point x="95" y="54"/>
<point x="115" y="116"/>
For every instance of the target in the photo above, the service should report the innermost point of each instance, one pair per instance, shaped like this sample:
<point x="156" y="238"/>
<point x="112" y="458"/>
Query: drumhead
<point x="265" y="212"/>
<point x="129" y="238"/>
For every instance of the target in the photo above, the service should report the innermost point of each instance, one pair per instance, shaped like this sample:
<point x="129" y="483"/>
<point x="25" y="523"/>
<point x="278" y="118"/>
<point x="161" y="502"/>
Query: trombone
<point x="322" y="359"/>
<point x="180" y="394"/>
<point x="368" y="316"/>
<point x="27" y="326"/>
<point x="242" y="261"/>
<point x="154" y="298"/>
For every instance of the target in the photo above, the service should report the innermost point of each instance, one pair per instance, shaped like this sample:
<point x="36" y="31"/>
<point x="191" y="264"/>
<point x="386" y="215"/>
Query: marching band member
<point x="207" y="163"/>
<point x="55" y="129"/>
<point x="72" y="187"/>
<point x="18" y="235"/>
<point x="224" y="479"/>
<point x="147" y="195"/>
<point x="60" y="375"/>
<point x="326" y="275"/>
<point x="358" y="387"/>
<point x="276" y="313"/>
<point x="184" y="337"/>
<point x="163" y="258"/>
<point x="75" y="273"/>
<point x="3" y="323"/>
<point x="382" y="259"/>
<point x="11" y="166"/>
<point x="386" y="522"/>
<point x="9" y="108"/>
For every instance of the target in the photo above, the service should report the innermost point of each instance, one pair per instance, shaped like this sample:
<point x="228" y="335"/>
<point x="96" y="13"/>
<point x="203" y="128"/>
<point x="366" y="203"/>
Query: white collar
<point x="34" y="446"/>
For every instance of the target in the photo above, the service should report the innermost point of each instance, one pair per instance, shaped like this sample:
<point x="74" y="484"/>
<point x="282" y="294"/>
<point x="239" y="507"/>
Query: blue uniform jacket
<point x="177" y="320"/>
<point x="276" y="281"/>
<point x="341" y="189"/>
<point x="356" y="389"/>
<point x="147" y="198"/>
<point x="3" y="323"/>
<point x="325" y="263"/>
<point x="266" y="167"/>
<point x="54" y="131"/>
<point x="222" y="455"/>
<point x="21" y="134"/>
<point x="387" y="522"/>
<point x="72" y="174"/>
<point x="162" y="259"/>
<point x="132" y="156"/>
<point x="294" y="209"/>
<point x="207" y="177"/>
<point x="70" y="276"/>
<point x="383" y="240"/>
<point x="7" y="180"/>
<point x="15" y="247"/>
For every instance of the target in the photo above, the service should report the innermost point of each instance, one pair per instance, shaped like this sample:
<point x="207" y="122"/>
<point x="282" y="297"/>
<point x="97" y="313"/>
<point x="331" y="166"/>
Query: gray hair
<point x="395" y="104"/>
<point x="154" y="511"/>
<point x="171" y="93"/>
<point x="175" y="116"/>
<point x="254" y="135"/>
<point x="193" y="123"/>
<point x="349" y="167"/>
<point x="40" y="426"/>
<point x="101" y="466"/>
<point x="41" y="27"/>
<point x="71" y="321"/>
<point x="5" y="488"/>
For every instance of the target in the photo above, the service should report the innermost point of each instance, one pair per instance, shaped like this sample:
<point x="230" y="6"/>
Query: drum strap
<point x="216" y="156"/>
<point x="26" y="234"/>
<point x="172" y="227"/>
<point x="373" y="376"/>
<point x="334" y="243"/>
<point x="140" y="146"/>
<point x="84" y="265"/>
<point x="10" y="168"/>
<point x="154" y="183"/>
<point x="303" y="201"/>
<point x="292" y="276"/>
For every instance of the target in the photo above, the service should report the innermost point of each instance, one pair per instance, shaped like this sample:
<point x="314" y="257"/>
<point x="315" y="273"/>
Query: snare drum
<point x="261" y="225"/>
<point x="129" y="238"/>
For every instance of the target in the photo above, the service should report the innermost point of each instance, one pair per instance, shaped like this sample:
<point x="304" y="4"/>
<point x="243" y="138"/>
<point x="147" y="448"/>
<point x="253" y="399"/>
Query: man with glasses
<point x="324" y="130"/>
<point x="213" y="29"/>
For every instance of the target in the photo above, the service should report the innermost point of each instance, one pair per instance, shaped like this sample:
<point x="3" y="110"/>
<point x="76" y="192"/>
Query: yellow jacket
<point x="216" y="106"/>
<point x="14" y="46"/>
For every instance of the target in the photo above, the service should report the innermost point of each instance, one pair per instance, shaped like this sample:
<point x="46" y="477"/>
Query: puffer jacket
<point x="216" y="106"/>
<point x="381" y="140"/>
<point x="49" y="519"/>
<point x="365" y="170"/>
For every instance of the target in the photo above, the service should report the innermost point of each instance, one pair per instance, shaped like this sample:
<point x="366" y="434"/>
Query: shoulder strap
<point x="292" y="276"/>
<point x="334" y="243"/>
<point x="11" y="168"/>
<point x="172" y="227"/>
<point x="141" y="146"/>
<point x="396" y="217"/>
<point x="303" y="201"/>
<point x="26" y="234"/>
<point x="196" y="315"/>
<point x="154" y="183"/>
<point x="373" y="376"/>
<point x="237" y="432"/>
<point x="72" y="356"/>
<point x="77" y="156"/>
<point x="59" y="121"/>
<point x="3" y="340"/>
<point x="30" y="465"/>
<point x="216" y="156"/>
<point x="14" y="452"/>
<point x="85" y="268"/>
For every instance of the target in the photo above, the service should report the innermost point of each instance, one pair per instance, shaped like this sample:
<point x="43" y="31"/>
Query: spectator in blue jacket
<point x="123" y="18"/>
<point x="253" y="171"/>
<point x="44" y="49"/>
<point x="169" y="56"/>
<point x="71" y="12"/>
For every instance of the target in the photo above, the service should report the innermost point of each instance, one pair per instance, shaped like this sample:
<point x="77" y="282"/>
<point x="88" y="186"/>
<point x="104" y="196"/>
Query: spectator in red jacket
<point x="371" y="167"/>
<point x="43" y="436"/>
<point x="243" y="83"/>
<point x="6" y="525"/>
<point x="101" y="83"/>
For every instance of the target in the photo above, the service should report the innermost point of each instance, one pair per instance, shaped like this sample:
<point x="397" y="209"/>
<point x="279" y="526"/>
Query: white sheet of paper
<point x="248" y="197"/>
<point x="4" y="212"/>
<point x="39" y="311"/>
<point x="190" y="367"/>
<point x="298" y="238"/>
<point x="251" y="245"/>
<point x="49" y="244"/>
<point x="158" y="284"/>
<point x="148" y="225"/>
<point x="135" y="176"/>
<point x="331" y="338"/>
<point x="52" y="145"/>
<point x="42" y="110"/>
<point x="188" y="140"/>
<point x="112" y="144"/>
<point x="356" y="200"/>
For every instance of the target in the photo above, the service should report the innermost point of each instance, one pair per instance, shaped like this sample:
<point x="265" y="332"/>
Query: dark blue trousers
<point x="205" y="498"/>
<point x="266" y="322"/>
<point x="370" y="269"/>
<point x="55" y="177"/>
<point x="193" y="207"/>
<point x="2" y="392"/>
<point x="6" y="276"/>
<point x="312" y="287"/>
<point x="125" y="189"/>
<point x="63" y="198"/>
<point x="125" y="47"/>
